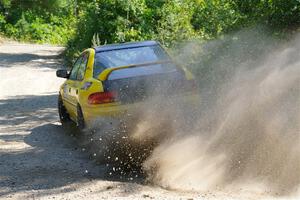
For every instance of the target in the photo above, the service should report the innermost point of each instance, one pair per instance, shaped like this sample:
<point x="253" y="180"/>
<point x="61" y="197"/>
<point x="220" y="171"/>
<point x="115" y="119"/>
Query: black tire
<point x="62" y="111"/>
<point x="80" y="119"/>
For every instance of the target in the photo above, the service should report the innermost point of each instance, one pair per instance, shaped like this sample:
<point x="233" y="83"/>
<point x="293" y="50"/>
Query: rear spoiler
<point x="105" y="73"/>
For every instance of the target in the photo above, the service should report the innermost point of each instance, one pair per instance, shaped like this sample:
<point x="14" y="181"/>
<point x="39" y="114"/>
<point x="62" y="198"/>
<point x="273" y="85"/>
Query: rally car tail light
<point x="102" y="97"/>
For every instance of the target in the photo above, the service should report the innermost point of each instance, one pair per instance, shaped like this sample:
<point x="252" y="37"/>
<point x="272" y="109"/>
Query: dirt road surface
<point x="38" y="160"/>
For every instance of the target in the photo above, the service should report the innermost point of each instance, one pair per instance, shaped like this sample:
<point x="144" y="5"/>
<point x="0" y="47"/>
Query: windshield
<point x="130" y="56"/>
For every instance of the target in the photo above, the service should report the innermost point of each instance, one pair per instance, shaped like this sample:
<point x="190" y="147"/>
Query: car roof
<point x="127" y="45"/>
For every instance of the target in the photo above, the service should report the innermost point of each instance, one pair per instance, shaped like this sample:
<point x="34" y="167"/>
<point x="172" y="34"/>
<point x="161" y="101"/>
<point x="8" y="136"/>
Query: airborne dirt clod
<point x="39" y="160"/>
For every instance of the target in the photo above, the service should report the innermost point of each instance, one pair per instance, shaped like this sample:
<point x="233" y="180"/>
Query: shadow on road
<point x="54" y="160"/>
<point x="47" y="61"/>
<point x="29" y="108"/>
<point x="47" y="163"/>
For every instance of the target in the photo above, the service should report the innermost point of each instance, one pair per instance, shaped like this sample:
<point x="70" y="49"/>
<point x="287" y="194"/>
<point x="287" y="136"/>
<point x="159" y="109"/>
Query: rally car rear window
<point x="130" y="56"/>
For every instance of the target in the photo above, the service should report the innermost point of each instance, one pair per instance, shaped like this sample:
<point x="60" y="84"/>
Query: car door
<point x="75" y="81"/>
<point x="69" y="85"/>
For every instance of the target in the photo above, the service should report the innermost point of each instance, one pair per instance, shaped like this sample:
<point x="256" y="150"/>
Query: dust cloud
<point x="249" y="131"/>
<point x="245" y="133"/>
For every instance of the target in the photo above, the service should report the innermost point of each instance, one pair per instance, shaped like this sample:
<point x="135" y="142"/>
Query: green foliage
<point x="112" y="20"/>
<point x="82" y="23"/>
<point x="277" y="14"/>
<point x="55" y="30"/>
<point x="2" y="21"/>
<point x="215" y="17"/>
<point x="173" y="21"/>
<point x="123" y="21"/>
<point x="42" y="21"/>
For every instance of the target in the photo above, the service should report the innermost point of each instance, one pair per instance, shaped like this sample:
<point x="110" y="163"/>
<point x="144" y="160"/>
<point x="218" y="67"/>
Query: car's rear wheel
<point x="62" y="111"/>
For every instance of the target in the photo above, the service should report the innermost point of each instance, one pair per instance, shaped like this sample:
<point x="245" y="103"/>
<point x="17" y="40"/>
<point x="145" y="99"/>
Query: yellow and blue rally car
<point x="109" y="80"/>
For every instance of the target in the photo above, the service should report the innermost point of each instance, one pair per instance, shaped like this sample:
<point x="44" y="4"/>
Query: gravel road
<point x="38" y="160"/>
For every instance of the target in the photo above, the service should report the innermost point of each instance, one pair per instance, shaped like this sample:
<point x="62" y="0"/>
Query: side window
<point x="98" y="65"/>
<point x="74" y="70"/>
<point x="82" y="67"/>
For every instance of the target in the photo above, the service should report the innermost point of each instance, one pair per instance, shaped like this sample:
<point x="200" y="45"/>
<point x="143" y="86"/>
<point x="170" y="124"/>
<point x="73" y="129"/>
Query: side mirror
<point x="62" y="73"/>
